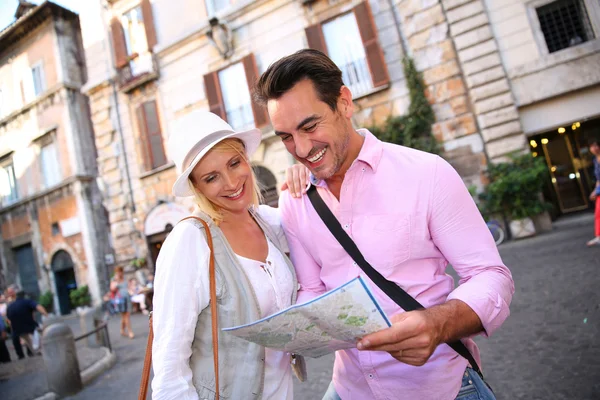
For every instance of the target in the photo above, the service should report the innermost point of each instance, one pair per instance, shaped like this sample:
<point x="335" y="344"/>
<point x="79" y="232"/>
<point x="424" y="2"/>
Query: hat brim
<point x="251" y="140"/>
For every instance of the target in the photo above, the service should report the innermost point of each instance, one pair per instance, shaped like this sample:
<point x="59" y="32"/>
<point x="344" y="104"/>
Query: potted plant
<point x="47" y="301"/>
<point x="514" y="191"/>
<point x="80" y="298"/>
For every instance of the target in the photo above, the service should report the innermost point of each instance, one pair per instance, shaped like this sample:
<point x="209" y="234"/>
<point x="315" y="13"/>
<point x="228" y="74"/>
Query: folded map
<point x="335" y="320"/>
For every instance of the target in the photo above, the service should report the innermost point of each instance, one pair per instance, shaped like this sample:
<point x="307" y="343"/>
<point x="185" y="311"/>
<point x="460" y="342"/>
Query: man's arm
<point x="307" y="269"/>
<point x="40" y="308"/>
<point x="479" y="304"/>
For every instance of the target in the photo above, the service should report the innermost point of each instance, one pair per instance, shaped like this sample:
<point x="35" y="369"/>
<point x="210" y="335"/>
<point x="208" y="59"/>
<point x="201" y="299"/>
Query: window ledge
<point x="372" y="91"/>
<point x="157" y="170"/>
<point x="556" y="58"/>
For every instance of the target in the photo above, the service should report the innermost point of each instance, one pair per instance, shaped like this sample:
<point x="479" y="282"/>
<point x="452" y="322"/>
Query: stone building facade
<point x="489" y="67"/>
<point x="54" y="232"/>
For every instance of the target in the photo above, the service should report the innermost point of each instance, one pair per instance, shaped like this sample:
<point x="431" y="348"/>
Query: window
<point x="564" y="23"/>
<point x="229" y="96"/>
<point x="133" y="37"/>
<point x="50" y="165"/>
<point x="38" y="78"/>
<point x="351" y="41"/>
<point x="347" y="52"/>
<point x="55" y="229"/>
<point x="2" y="111"/>
<point x="8" y="183"/>
<point x="214" y="6"/>
<point x="151" y="136"/>
<point x="238" y="105"/>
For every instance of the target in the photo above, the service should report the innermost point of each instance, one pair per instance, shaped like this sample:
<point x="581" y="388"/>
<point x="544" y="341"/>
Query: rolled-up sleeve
<point x="459" y="231"/>
<point x="181" y="292"/>
<point x="307" y="269"/>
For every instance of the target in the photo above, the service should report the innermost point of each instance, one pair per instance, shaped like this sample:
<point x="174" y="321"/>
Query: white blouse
<point x="181" y="292"/>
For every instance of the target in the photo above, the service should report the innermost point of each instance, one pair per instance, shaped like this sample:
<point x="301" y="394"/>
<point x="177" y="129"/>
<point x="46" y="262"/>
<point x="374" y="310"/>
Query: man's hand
<point x="412" y="338"/>
<point x="593" y="196"/>
<point x="296" y="180"/>
<point x="414" y="335"/>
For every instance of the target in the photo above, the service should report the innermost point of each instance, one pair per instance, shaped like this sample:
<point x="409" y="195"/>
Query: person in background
<point x="137" y="296"/>
<point x="121" y="301"/>
<point x="4" y="354"/>
<point x="20" y="314"/>
<point x="595" y="150"/>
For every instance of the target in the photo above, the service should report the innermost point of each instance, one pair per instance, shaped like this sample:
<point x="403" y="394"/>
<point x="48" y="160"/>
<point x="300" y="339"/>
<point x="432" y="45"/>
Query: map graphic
<point x="335" y="320"/>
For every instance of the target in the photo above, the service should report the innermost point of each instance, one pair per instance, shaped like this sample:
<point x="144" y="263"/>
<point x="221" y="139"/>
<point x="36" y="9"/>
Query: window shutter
<point x="149" y="24"/>
<point x="154" y="133"/>
<point x="261" y="117"/>
<point x="368" y="33"/>
<point x="141" y="117"/>
<point x="118" y="39"/>
<point x="314" y="35"/>
<point x="213" y="94"/>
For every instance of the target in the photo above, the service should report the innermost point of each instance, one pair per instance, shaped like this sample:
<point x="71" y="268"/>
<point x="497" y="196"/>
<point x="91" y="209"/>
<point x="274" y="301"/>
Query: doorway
<point x="27" y="270"/>
<point x="566" y="153"/>
<point x="64" y="279"/>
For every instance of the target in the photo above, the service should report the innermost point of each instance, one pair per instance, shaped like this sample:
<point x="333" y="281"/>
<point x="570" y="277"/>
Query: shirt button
<point x="354" y="263"/>
<point x="363" y="169"/>
<point x="370" y="376"/>
<point x="346" y="226"/>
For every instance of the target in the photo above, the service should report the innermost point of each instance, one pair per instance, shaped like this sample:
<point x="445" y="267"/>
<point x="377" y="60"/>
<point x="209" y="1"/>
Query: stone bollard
<point x="60" y="360"/>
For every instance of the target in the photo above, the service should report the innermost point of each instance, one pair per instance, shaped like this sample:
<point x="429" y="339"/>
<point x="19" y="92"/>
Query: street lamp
<point x="220" y="37"/>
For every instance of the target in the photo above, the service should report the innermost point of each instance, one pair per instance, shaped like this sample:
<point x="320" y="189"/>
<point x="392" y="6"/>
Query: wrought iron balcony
<point x="142" y="68"/>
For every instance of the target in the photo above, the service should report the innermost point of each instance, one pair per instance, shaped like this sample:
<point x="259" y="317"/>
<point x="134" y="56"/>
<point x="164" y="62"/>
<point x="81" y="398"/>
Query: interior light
<point x="533" y="143"/>
<point x="534" y="154"/>
<point x="561" y="130"/>
<point x="577" y="175"/>
<point x="577" y="124"/>
<point x="553" y="180"/>
<point x="553" y="168"/>
<point x="545" y="141"/>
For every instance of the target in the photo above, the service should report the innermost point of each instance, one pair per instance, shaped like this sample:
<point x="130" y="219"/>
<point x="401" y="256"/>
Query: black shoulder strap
<point x="394" y="292"/>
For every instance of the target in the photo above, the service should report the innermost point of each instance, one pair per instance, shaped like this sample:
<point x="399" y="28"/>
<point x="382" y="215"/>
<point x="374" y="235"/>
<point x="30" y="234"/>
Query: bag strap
<point x="394" y="292"/>
<point x="213" y="309"/>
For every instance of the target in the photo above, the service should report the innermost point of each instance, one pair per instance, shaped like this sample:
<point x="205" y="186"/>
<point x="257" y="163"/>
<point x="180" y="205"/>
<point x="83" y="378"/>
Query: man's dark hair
<point x="20" y="294"/>
<point x="594" y="140"/>
<point x="310" y="64"/>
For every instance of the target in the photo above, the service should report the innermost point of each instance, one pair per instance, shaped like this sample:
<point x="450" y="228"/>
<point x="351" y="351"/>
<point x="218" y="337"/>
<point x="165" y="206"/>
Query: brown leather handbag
<point x="215" y="332"/>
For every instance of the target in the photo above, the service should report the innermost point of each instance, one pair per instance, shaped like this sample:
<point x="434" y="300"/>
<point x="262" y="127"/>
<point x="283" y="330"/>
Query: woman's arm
<point x="181" y="292"/>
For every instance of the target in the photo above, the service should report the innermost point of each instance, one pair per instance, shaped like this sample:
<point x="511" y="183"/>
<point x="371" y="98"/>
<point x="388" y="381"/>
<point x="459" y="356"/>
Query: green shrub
<point x="47" y="301"/>
<point x="80" y="297"/>
<point x="515" y="188"/>
<point x="414" y="128"/>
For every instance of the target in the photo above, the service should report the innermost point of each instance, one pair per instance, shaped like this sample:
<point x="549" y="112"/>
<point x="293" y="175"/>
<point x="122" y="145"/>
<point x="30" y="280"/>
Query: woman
<point x="253" y="276"/>
<point x="121" y="301"/>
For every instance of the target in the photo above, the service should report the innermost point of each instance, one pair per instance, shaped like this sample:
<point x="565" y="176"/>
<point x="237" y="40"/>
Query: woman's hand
<point x="296" y="180"/>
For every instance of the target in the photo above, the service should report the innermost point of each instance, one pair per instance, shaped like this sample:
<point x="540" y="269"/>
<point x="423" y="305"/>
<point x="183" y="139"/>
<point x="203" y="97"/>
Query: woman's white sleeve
<point x="181" y="292"/>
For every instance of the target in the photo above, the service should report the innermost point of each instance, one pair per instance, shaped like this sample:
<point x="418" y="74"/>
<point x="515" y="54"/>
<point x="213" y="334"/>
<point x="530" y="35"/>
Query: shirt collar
<point x="370" y="154"/>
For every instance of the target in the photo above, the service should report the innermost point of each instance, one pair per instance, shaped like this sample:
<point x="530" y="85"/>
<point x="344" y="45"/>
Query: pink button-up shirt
<point x="411" y="215"/>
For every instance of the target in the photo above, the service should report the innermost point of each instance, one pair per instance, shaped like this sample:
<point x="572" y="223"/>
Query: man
<point x="20" y="315"/>
<point x="595" y="150"/>
<point x="410" y="215"/>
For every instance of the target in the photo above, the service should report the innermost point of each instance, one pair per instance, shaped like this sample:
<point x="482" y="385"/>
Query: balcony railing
<point x="357" y="77"/>
<point x="141" y="68"/>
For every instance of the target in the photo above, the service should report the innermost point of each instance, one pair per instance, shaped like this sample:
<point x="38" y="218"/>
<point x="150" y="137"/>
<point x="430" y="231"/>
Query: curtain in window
<point x="236" y="97"/>
<point x="346" y="50"/>
<point x="50" y="166"/>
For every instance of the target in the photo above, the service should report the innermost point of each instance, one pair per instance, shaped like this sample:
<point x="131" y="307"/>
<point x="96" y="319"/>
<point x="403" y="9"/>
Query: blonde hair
<point x="210" y="208"/>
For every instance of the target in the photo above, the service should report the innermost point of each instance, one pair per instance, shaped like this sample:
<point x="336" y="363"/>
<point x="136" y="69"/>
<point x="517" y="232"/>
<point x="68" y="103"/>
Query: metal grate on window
<point x="564" y="23"/>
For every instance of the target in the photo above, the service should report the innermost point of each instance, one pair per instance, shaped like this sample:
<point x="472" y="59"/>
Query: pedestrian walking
<point x="410" y="215"/>
<point x="121" y="301"/>
<point x="20" y="314"/>
<point x="4" y="354"/>
<point x="594" y="196"/>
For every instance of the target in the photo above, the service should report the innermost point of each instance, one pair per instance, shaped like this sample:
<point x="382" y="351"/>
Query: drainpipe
<point x="397" y="23"/>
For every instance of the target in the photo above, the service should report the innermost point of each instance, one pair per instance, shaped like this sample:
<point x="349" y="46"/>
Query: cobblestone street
<point x="548" y="349"/>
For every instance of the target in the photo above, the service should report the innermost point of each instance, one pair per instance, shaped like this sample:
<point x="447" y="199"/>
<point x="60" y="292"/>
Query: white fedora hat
<point x="186" y="148"/>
